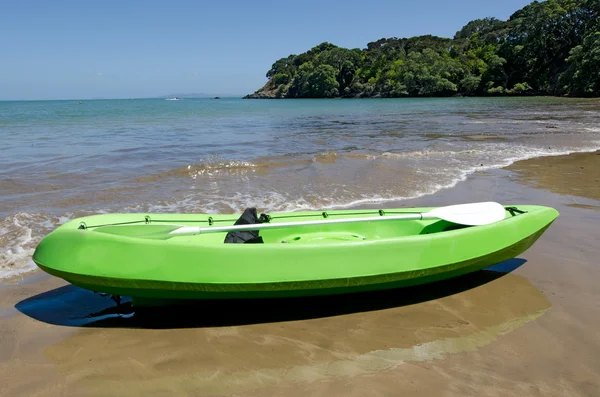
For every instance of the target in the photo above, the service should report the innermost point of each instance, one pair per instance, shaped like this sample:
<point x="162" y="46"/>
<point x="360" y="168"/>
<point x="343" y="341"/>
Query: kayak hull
<point x="118" y="254"/>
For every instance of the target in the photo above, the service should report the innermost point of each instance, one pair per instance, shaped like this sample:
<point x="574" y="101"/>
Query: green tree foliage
<point x="583" y="76"/>
<point x="550" y="47"/>
<point x="314" y="82"/>
<point x="485" y="28"/>
<point x="344" y="62"/>
<point x="425" y="73"/>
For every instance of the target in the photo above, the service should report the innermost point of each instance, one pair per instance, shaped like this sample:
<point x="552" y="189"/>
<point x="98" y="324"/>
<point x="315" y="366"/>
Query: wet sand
<point x="528" y="327"/>
<point x="575" y="175"/>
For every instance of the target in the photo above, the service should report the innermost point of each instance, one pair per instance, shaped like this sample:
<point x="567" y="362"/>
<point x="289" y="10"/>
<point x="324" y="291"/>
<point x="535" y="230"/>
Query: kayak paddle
<point x="473" y="214"/>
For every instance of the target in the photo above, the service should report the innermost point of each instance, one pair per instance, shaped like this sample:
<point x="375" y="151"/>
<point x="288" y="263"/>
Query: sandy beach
<point x="527" y="328"/>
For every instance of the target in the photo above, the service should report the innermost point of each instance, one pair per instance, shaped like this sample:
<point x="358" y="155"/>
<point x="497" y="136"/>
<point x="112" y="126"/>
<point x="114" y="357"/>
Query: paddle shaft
<point x="262" y="226"/>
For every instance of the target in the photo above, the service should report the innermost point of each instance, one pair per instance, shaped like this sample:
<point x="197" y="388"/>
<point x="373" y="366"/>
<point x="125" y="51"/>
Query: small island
<point x="545" y="48"/>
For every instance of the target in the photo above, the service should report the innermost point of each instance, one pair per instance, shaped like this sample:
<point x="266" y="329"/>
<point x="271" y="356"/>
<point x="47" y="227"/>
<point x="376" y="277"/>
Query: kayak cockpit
<point x="317" y="234"/>
<point x="292" y="228"/>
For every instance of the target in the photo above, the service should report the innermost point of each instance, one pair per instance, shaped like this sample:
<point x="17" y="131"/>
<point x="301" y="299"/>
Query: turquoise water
<point x="61" y="159"/>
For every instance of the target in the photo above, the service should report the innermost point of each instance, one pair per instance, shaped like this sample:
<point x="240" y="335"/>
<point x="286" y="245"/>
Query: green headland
<point x="546" y="48"/>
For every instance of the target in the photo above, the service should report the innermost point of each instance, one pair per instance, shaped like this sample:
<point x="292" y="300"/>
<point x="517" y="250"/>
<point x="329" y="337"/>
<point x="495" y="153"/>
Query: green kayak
<point x="178" y="256"/>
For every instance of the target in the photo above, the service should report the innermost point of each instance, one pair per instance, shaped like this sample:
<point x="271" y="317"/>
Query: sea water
<point x="63" y="159"/>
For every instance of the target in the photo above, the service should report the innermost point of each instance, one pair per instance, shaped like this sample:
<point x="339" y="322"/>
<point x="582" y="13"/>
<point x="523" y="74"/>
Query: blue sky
<point x="128" y="49"/>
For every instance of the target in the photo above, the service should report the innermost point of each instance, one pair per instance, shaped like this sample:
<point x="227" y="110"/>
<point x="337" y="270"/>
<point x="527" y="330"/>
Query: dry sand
<point x="531" y="332"/>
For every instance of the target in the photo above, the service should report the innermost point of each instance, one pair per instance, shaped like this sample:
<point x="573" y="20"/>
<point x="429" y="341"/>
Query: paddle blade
<point x="473" y="214"/>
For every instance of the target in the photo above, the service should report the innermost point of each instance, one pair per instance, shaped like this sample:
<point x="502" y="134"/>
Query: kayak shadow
<point x="75" y="307"/>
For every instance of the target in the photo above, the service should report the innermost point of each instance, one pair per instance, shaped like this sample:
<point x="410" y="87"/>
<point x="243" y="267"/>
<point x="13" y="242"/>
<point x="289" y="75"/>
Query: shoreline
<point x="567" y="173"/>
<point x="14" y="264"/>
<point x="525" y="169"/>
<point x="271" y="95"/>
<point x="526" y="332"/>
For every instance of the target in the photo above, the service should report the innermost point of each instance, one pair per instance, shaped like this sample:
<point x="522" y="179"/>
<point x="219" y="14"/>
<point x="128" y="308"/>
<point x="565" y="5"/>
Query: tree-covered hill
<point x="546" y="48"/>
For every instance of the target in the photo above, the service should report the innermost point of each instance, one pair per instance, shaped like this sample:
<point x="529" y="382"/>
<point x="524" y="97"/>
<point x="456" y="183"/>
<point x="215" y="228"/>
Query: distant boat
<point x="217" y="97"/>
<point x="173" y="99"/>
